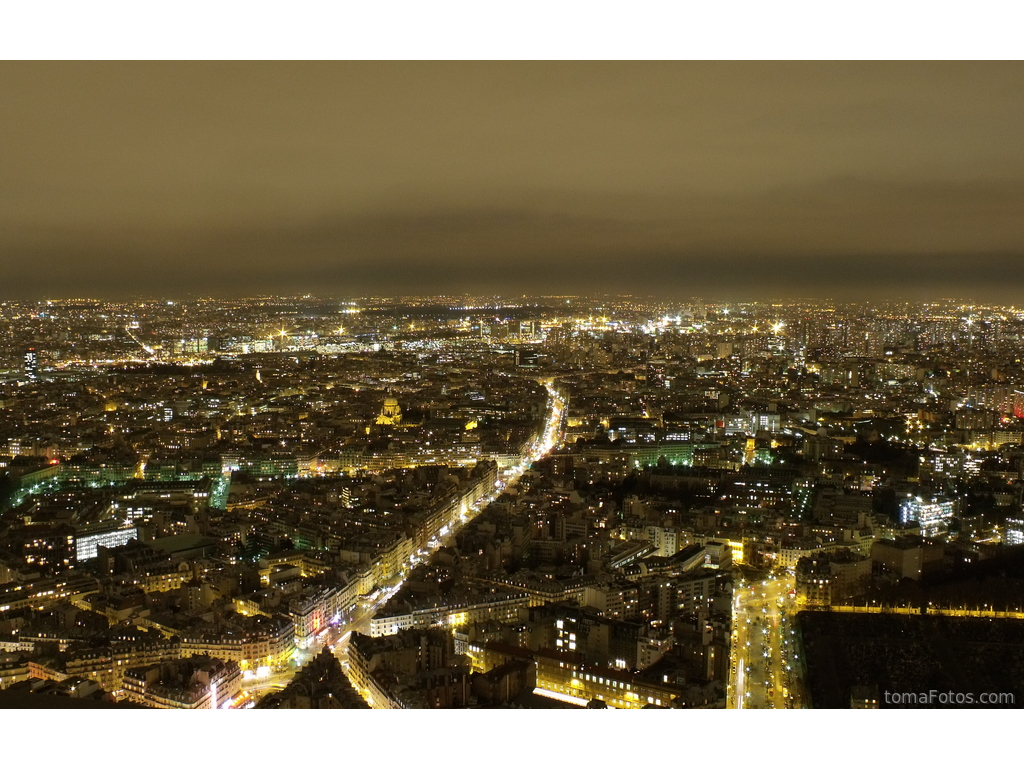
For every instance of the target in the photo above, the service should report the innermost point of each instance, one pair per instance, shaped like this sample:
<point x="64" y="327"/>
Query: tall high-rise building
<point x="31" y="364"/>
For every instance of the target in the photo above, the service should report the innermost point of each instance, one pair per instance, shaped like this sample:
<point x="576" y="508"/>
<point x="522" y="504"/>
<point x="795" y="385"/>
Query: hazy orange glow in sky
<point x="733" y="180"/>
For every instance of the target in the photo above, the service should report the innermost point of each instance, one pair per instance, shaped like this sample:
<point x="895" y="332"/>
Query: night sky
<point x="732" y="180"/>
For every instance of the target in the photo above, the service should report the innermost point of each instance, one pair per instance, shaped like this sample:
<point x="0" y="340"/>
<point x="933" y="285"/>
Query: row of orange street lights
<point x="549" y="438"/>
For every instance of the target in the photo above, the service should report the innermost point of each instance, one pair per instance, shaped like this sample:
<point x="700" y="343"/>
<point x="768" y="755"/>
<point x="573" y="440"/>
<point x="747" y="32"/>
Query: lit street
<point x="338" y="637"/>
<point x="762" y="667"/>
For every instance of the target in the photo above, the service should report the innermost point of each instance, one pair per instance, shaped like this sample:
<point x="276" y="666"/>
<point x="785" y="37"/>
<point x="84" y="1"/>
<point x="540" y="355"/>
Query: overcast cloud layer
<point x="740" y="180"/>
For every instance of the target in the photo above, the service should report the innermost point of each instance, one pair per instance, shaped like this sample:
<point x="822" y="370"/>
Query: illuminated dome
<point x="391" y="413"/>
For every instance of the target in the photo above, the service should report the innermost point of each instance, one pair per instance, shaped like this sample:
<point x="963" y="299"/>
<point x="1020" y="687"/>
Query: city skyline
<point x="480" y="503"/>
<point x="733" y="181"/>
<point x="522" y="385"/>
<point x="510" y="360"/>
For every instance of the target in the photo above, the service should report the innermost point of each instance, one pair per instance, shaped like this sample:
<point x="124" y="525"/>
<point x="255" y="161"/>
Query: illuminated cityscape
<point x="494" y="384"/>
<point x="476" y="501"/>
